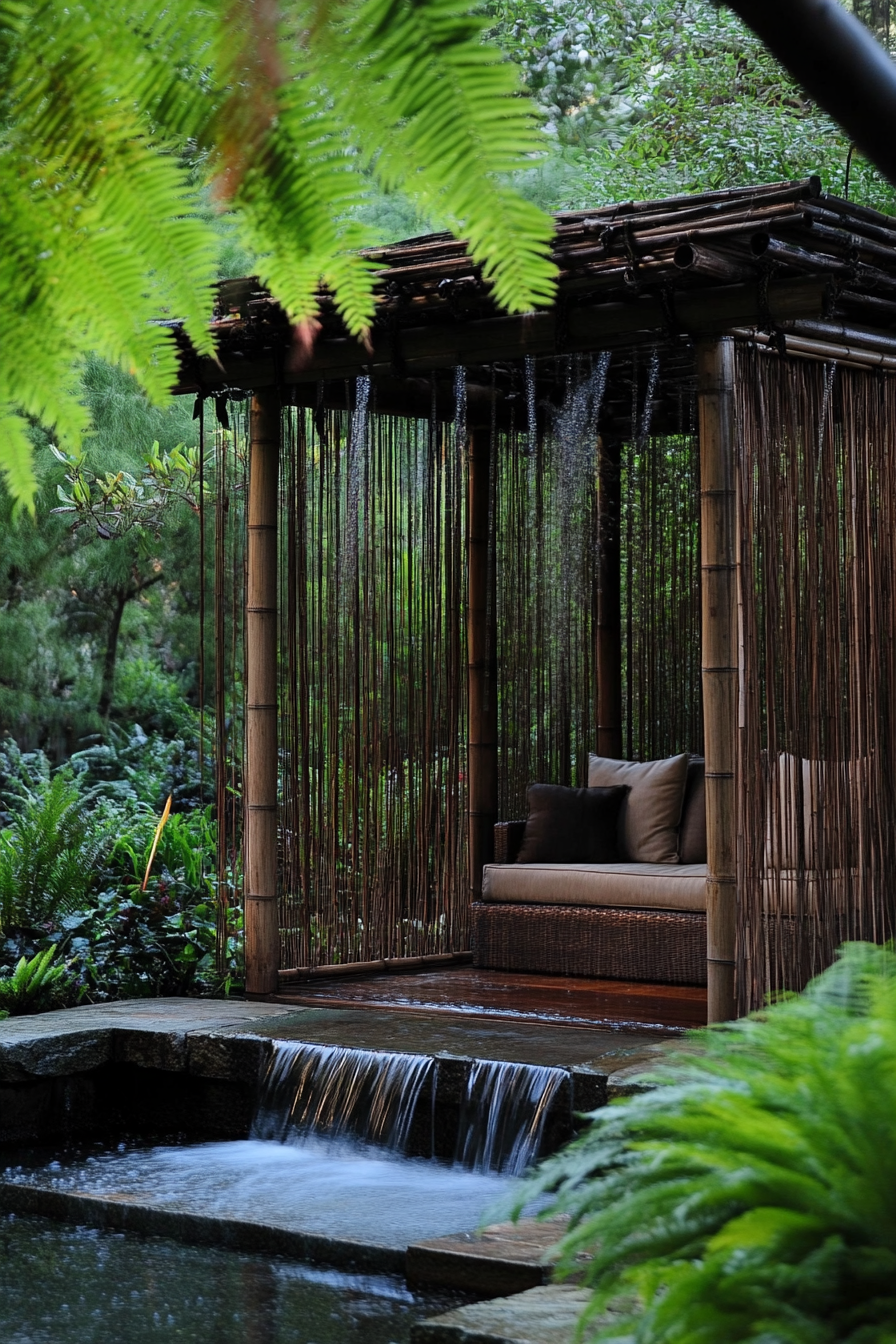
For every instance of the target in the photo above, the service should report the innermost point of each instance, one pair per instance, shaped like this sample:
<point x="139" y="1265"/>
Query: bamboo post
<point x="719" y="638"/>
<point x="262" y="929"/>
<point x="608" y="614"/>
<point x="482" y="663"/>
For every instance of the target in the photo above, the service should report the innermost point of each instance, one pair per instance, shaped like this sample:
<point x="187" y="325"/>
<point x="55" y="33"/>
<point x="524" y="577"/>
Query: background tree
<point x="646" y="98"/>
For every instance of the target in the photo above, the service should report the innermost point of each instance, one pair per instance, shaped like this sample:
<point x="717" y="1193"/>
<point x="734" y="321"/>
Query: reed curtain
<point x="372" y="695"/>
<point x="817" y="771"/>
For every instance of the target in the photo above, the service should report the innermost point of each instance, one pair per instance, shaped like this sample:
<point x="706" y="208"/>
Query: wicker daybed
<point x="623" y="921"/>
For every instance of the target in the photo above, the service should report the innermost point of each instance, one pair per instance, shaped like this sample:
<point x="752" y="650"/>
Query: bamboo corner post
<point x="262" y="923"/>
<point x="720" y="675"/>
<point x="607" y="603"/>
<point x="482" y="662"/>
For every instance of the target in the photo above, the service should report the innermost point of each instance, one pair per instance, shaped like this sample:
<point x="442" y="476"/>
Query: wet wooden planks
<point x="541" y="998"/>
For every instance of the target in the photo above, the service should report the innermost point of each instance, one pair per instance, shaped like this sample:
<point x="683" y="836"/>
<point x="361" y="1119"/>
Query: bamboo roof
<point x="784" y="264"/>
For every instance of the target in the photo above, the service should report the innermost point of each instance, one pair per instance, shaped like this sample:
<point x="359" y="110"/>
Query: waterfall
<point x="503" y="1115"/>
<point x="333" y="1091"/>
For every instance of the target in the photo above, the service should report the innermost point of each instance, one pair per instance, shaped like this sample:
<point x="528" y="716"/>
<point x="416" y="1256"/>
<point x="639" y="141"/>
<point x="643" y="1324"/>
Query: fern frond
<point x="752" y="1193"/>
<point x="108" y="114"/>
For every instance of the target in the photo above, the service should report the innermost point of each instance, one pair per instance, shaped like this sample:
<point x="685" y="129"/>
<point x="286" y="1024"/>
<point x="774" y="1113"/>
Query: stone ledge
<point x="494" y="1262"/>
<point x="545" y="1315"/>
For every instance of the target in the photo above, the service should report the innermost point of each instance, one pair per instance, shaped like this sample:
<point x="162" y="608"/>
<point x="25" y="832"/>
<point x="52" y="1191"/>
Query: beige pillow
<point x="651" y="814"/>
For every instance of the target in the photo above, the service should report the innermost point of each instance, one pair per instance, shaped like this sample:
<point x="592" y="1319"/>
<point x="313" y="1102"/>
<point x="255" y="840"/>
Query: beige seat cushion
<point x="635" y="886"/>
<point x="651" y="814"/>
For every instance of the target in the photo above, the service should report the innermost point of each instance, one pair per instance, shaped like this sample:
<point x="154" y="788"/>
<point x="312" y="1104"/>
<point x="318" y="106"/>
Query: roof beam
<point x="414" y="352"/>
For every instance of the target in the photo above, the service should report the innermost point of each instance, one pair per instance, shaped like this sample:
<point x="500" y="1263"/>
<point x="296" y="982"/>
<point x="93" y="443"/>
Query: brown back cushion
<point x="572" y="825"/>
<point x="692" y="837"/>
<point x="651" y="814"/>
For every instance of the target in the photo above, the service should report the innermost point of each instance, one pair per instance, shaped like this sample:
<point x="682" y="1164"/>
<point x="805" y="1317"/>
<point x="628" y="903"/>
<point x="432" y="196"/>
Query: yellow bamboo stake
<point x="166" y="813"/>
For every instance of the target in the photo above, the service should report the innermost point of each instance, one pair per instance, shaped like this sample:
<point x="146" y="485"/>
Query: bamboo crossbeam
<point x="827" y="351"/>
<point x="262" y="924"/>
<point x="383" y="965"/>
<point x="596" y="326"/>
<point x="720" y="658"/>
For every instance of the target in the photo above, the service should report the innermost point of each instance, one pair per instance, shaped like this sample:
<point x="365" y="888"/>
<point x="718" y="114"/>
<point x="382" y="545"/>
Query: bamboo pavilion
<point x="658" y="517"/>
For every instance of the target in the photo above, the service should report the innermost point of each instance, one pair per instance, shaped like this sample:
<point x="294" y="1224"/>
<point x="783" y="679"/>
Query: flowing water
<point x="338" y="1092"/>
<point x="503" y="1115"/>
<point x="327" y="1152"/>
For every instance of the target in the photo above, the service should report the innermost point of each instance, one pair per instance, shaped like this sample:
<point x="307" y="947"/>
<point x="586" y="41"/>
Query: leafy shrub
<point x="132" y="765"/>
<point x="35" y="985"/>
<point x="22" y="774"/>
<point x="71" y="867"/>
<point x="751" y="1196"/>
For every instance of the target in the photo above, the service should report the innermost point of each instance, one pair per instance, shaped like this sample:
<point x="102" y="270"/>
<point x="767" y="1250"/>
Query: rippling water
<point x="64" y="1285"/>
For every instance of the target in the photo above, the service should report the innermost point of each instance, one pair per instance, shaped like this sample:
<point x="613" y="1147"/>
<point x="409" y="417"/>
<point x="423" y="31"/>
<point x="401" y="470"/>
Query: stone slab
<point x="544" y="1315"/>
<point x="152" y="1033"/>
<point x="124" y="1215"/>
<point x="603" y="1062"/>
<point x="500" y="1259"/>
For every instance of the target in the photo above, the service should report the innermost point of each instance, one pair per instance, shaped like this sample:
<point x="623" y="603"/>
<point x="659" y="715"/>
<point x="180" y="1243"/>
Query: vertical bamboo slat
<point x="262" y="925"/>
<point x="482" y="664"/>
<point x="715" y="402"/>
<point x="608" y="612"/>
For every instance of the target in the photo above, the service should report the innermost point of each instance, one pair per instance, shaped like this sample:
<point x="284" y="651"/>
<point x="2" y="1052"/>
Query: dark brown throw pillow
<point x="572" y="825"/>
<point x="692" y="836"/>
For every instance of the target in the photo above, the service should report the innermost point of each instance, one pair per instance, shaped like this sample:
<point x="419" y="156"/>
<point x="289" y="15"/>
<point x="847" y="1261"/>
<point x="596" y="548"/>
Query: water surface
<point x="65" y="1285"/>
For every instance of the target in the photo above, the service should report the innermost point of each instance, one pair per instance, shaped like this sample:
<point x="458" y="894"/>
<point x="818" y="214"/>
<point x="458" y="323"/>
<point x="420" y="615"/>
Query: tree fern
<point x="752" y="1194"/>
<point x="112" y="119"/>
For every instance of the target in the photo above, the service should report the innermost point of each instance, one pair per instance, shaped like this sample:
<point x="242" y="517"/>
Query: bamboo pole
<point x="719" y="636"/>
<point x="260" y="788"/>
<point x="482" y="663"/>
<point x="608" y="616"/>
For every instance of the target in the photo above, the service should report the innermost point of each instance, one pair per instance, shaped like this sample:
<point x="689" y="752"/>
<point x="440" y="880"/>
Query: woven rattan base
<point x="664" y="947"/>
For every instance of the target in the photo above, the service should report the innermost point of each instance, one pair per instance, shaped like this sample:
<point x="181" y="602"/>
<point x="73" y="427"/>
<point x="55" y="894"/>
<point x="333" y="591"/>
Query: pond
<point x="73" y="1285"/>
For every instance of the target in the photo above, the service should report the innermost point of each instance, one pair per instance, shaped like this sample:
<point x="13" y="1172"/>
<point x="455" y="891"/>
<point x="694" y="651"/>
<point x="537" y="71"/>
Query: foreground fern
<point x="113" y="116"/>
<point x="752" y="1194"/>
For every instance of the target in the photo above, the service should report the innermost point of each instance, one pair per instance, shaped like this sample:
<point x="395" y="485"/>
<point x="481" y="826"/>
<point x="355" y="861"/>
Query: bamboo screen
<point x="817" y="784"/>
<point x="372" y="576"/>
<point x="547" y="540"/>
<point x="372" y="687"/>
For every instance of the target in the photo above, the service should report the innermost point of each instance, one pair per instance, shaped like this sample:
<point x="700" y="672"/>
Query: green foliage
<point x="127" y="942"/>
<point x="751" y="1196"/>
<point x="105" y="160"/>
<point x="34" y="985"/>
<point x="71" y="868"/>
<point x="48" y="855"/>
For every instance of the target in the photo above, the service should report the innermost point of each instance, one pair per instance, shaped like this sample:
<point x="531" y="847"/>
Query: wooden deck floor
<point x="563" y="1001"/>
